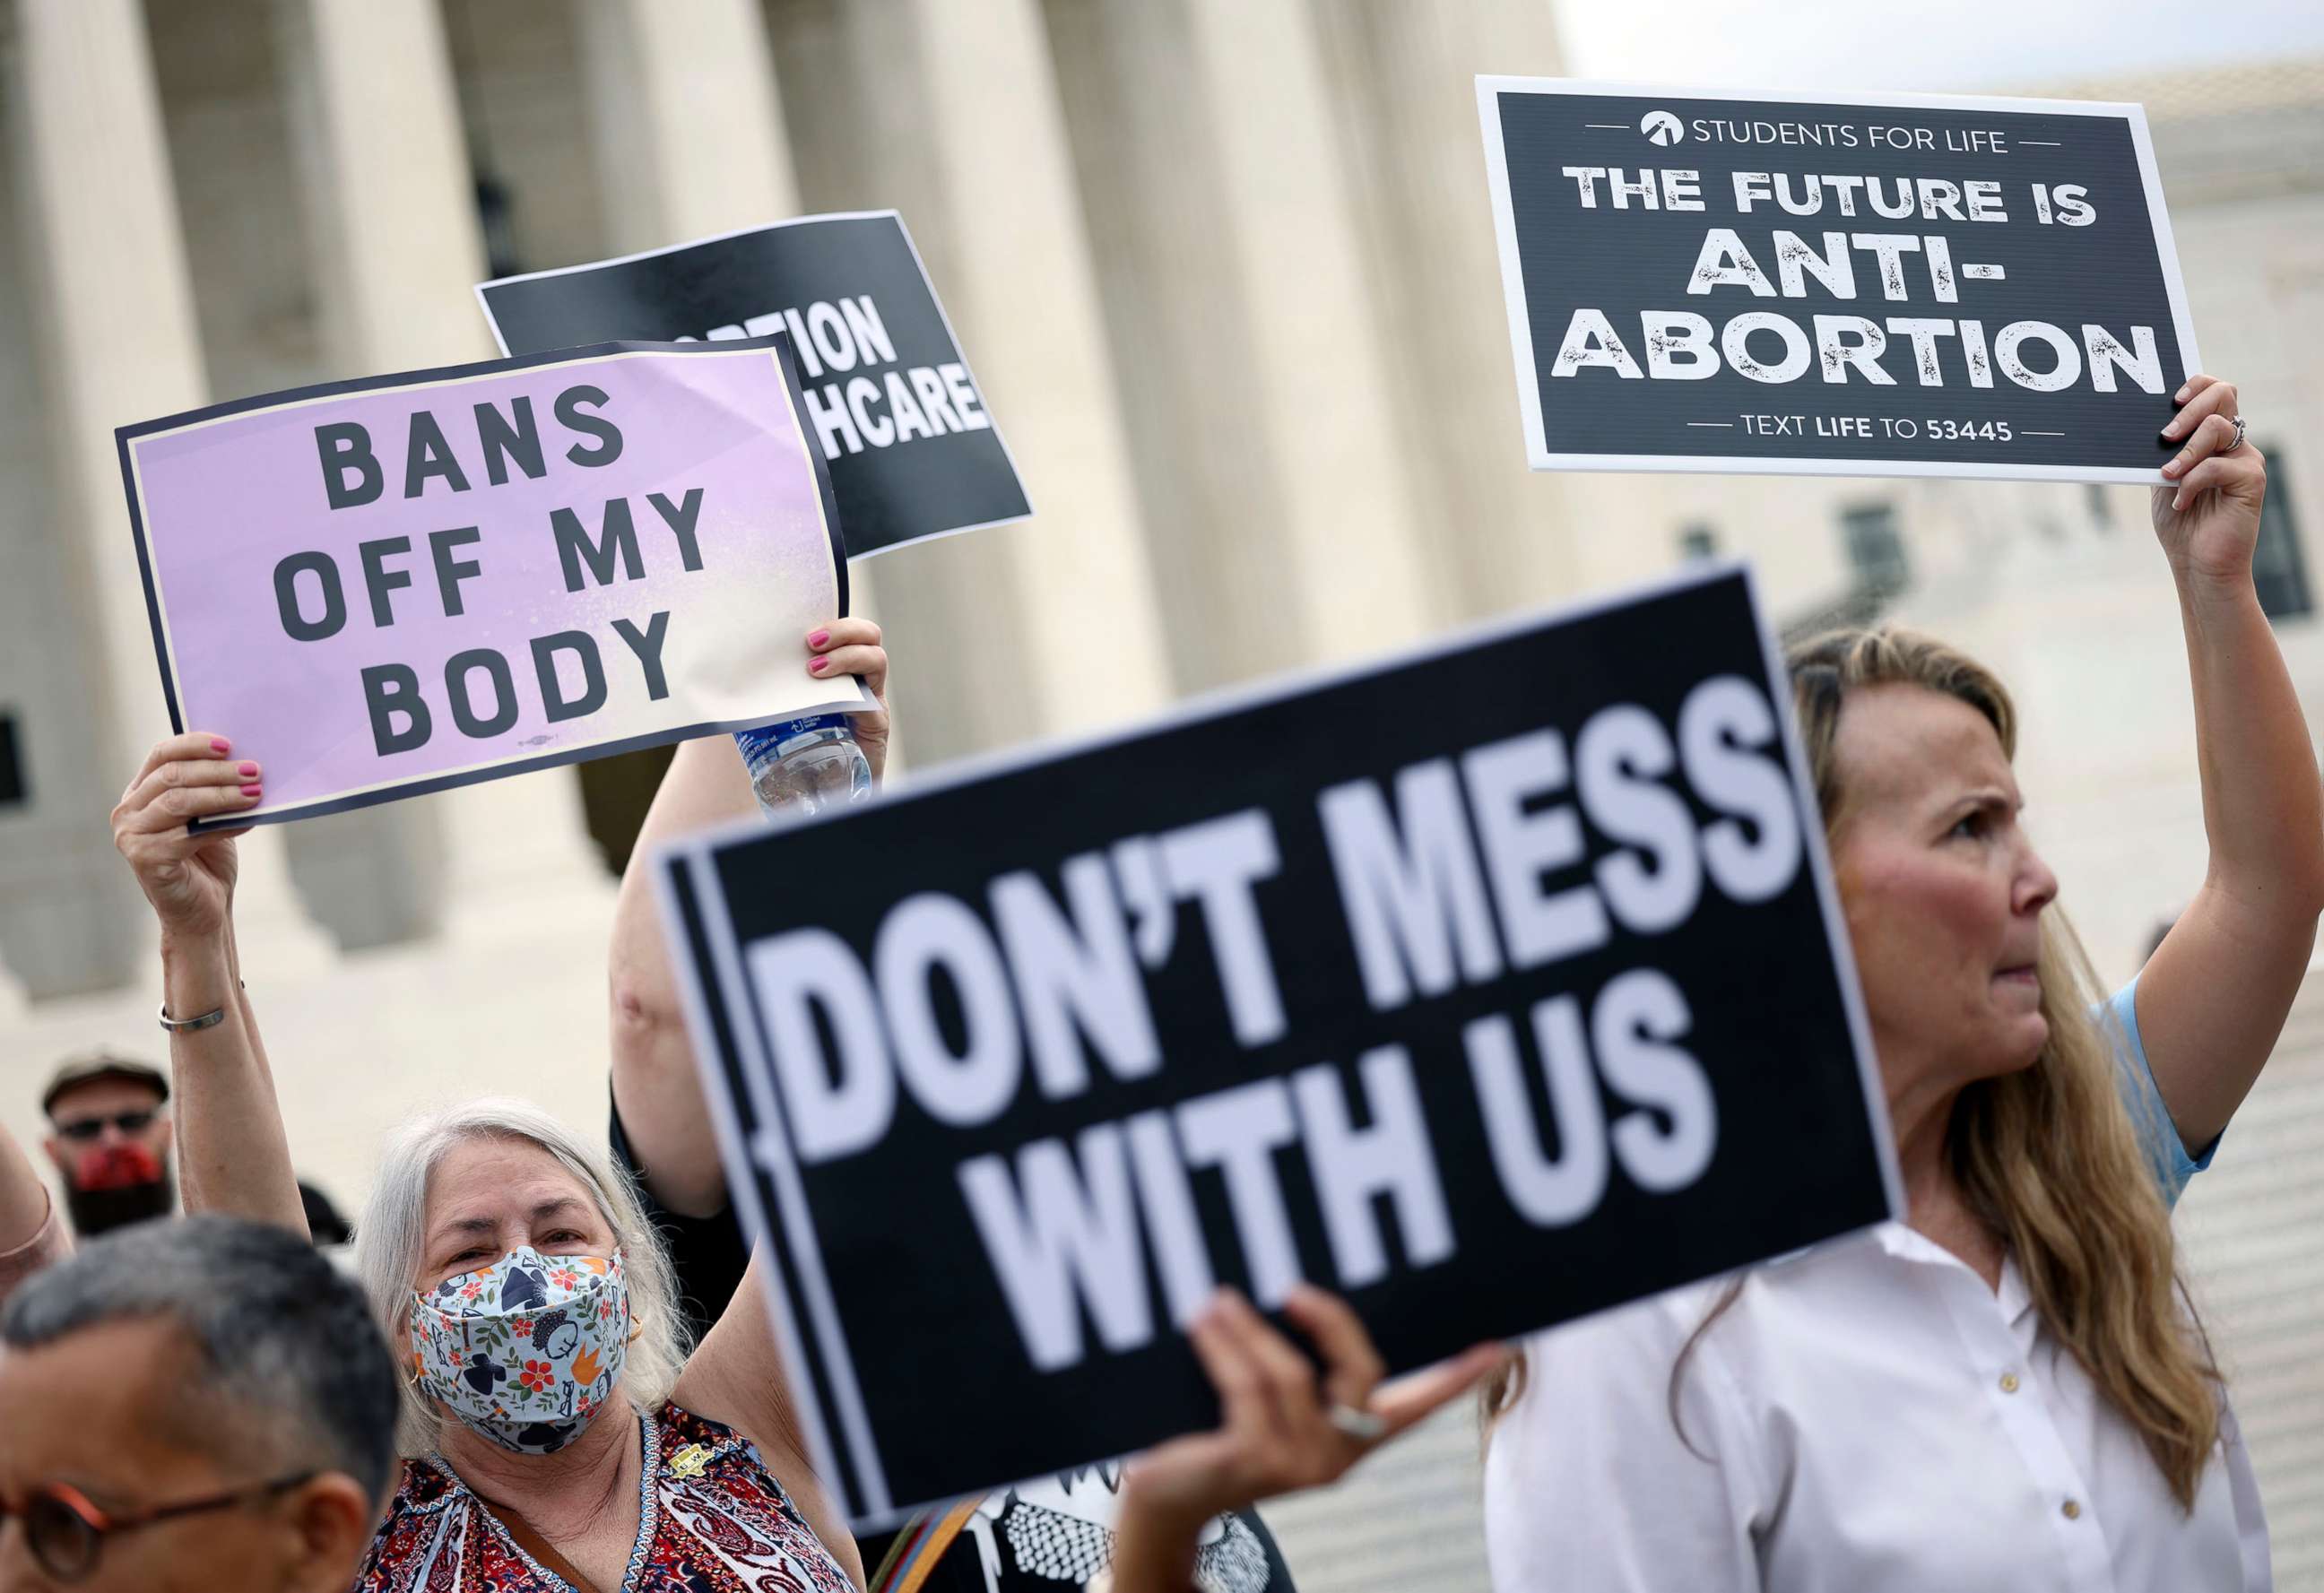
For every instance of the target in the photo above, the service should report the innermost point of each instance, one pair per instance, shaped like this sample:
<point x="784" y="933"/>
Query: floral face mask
<point x="527" y="1350"/>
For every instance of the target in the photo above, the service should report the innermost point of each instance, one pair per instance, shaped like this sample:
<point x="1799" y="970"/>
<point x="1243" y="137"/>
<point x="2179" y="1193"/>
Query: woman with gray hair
<point x="558" y="1432"/>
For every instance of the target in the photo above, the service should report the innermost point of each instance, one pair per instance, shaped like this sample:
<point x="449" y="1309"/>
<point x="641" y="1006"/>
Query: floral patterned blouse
<point x="712" y="1519"/>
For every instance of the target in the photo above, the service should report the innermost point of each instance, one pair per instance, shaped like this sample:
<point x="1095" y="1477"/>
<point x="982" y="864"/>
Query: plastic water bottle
<point x="800" y="767"/>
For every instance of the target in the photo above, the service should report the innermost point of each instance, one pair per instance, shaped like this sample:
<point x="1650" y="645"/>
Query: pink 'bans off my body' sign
<point x="388" y="586"/>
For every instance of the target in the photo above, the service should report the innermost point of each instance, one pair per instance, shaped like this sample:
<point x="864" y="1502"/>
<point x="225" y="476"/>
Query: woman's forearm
<point x="234" y="1154"/>
<point x="2263" y="803"/>
<point x="2213" y="998"/>
<point x="654" y="1086"/>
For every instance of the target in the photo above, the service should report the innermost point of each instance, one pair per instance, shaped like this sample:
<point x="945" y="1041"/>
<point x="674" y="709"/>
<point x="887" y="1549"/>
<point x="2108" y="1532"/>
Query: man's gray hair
<point x="284" y="1345"/>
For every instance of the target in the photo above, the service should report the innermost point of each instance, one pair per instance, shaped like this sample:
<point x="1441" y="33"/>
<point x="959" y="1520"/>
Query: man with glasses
<point x="109" y="1137"/>
<point x="200" y="1405"/>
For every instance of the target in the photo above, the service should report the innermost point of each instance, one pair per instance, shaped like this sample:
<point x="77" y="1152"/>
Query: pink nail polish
<point x="250" y="790"/>
<point x="819" y="639"/>
<point x="818" y="667"/>
<point x="220" y="746"/>
<point x="247" y="770"/>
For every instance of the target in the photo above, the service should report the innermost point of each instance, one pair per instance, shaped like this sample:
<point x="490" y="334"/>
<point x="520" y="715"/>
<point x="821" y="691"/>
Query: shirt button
<point x="2008" y="1382"/>
<point x="2074" y="1511"/>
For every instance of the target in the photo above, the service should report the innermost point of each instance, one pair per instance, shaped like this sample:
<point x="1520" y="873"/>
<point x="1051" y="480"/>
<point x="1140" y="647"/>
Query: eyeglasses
<point x="83" y="1130"/>
<point x="65" y="1531"/>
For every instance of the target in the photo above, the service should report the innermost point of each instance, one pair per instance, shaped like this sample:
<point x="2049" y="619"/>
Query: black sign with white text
<point x="1828" y="285"/>
<point x="888" y="397"/>
<point x="1486" y="999"/>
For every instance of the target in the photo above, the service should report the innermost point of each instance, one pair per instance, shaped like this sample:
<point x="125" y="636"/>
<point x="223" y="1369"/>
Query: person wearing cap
<point x="109" y="1135"/>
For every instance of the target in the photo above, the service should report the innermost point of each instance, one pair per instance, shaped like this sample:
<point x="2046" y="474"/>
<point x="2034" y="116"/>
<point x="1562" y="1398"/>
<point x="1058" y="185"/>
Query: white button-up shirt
<point x="1876" y="1418"/>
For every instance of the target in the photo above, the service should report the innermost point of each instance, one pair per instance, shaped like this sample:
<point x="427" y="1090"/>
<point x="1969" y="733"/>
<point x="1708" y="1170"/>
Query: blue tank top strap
<point x="2158" y="1137"/>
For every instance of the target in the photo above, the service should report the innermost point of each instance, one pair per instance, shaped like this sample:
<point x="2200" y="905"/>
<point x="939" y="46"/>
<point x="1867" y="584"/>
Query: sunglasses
<point x="83" y="1130"/>
<point x="65" y="1532"/>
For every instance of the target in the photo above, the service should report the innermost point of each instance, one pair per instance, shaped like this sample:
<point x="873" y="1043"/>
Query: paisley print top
<point x="712" y="1519"/>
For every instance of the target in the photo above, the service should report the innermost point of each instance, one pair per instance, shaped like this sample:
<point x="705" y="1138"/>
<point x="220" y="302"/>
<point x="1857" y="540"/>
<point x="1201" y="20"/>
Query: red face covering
<point x="112" y="1185"/>
<point x="115" y="1166"/>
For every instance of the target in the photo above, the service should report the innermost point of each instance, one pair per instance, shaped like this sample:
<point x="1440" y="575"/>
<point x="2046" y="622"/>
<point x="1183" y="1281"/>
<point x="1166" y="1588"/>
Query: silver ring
<point x="1363" y="1426"/>
<point x="2238" y="442"/>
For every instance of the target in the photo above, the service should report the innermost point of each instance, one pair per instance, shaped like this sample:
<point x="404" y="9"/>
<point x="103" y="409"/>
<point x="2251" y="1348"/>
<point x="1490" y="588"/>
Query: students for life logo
<point x="1662" y="127"/>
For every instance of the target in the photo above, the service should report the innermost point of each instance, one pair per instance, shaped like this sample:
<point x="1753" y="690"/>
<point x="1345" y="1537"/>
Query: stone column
<point x="1403" y="85"/>
<point x="686" y="119"/>
<point x="112" y="325"/>
<point x="389" y="199"/>
<point x="951" y="113"/>
<point x="117" y="319"/>
<point x="1177" y="322"/>
<point x="392" y="216"/>
<point x="1241" y="306"/>
<point x="1366" y="578"/>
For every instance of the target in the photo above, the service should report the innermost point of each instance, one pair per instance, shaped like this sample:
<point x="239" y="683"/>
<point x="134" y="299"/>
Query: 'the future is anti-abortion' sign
<point x="1835" y="285"/>
<point x="393" y="585"/>
<point x="888" y="397"/>
<point x="1486" y="1006"/>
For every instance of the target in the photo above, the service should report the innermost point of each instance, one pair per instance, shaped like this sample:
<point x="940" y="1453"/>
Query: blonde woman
<point x="2003" y="1393"/>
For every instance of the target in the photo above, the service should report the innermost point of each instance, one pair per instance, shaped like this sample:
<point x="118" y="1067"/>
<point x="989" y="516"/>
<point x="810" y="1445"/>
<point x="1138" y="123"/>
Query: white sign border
<point x="1538" y="455"/>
